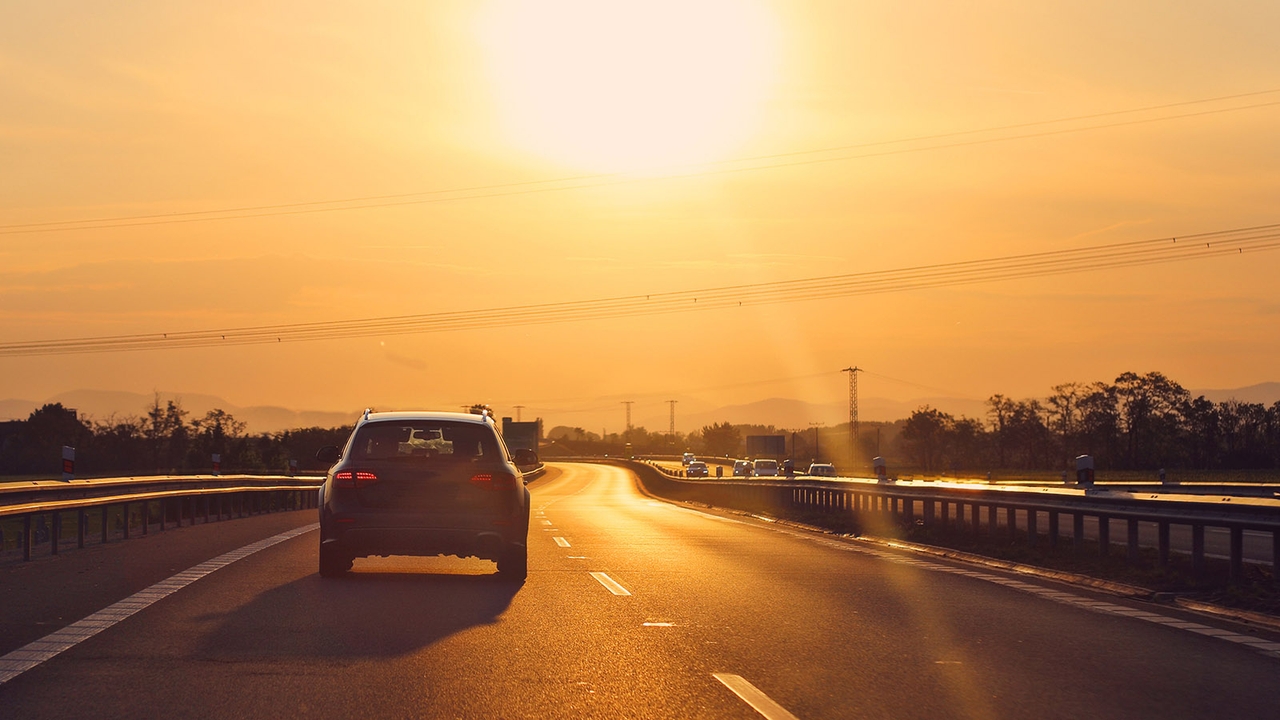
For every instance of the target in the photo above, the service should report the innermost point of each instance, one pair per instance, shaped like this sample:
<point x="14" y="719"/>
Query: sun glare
<point x="616" y="86"/>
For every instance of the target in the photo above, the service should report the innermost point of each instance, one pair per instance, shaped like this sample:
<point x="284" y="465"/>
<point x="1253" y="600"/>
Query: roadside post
<point x="68" y="463"/>
<point x="1084" y="470"/>
<point x="719" y="471"/>
<point x="217" y="463"/>
<point x="882" y="473"/>
<point x="293" y="467"/>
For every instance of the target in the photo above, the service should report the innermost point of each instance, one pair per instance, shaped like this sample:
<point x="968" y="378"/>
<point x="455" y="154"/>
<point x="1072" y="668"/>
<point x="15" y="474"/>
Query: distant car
<point x="741" y="468"/>
<point x="822" y="470"/>
<point x="765" y="468"/>
<point x="697" y="468"/>
<point x="423" y="483"/>
<point x="687" y="458"/>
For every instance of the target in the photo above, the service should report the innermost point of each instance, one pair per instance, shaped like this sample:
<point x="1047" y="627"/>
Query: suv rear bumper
<point x="418" y="541"/>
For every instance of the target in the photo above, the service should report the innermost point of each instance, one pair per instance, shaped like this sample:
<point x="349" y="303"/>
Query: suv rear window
<point x="424" y="440"/>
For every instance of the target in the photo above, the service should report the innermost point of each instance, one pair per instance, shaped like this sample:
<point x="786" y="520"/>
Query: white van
<point x="766" y="468"/>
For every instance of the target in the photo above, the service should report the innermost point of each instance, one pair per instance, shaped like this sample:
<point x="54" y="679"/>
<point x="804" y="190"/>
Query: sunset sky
<point x="689" y="130"/>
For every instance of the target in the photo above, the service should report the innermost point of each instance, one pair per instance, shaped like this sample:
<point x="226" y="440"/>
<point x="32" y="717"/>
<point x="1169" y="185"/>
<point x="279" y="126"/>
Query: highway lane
<point x="637" y="608"/>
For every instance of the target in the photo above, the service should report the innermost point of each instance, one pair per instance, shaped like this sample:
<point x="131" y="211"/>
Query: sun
<point x="618" y="86"/>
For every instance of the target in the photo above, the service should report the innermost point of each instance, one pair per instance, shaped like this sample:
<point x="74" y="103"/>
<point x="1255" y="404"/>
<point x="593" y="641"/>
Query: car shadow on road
<point x="361" y="615"/>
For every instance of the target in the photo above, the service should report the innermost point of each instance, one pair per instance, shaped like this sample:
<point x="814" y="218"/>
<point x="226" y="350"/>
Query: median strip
<point x="32" y="654"/>
<point x="610" y="584"/>
<point x="752" y="696"/>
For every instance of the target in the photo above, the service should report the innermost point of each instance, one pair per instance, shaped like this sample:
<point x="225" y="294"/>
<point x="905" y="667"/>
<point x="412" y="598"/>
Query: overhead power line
<point x="1058" y="262"/>
<point x="1002" y="133"/>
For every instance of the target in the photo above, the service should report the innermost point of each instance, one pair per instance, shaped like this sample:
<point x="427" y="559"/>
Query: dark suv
<point x="419" y="483"/>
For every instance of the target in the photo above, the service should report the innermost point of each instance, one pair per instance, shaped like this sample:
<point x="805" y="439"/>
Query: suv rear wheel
<point x="332" y="562"/>
<point x="514" y="563"/>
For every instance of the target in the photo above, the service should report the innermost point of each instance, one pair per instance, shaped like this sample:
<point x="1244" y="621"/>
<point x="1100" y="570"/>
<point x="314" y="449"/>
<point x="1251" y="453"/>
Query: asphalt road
<point x="632" y="608"/>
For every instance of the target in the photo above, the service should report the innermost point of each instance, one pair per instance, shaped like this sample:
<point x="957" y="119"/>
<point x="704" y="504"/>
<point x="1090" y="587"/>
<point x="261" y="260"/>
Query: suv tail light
<point x="493" y="481"/>
<point x="354" y="478"/>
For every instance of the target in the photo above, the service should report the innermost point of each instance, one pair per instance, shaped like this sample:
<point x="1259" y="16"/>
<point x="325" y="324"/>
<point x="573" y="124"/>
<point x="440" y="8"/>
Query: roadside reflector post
<point x="1164" y="478"/>
<point x="217" y="464"/>
<point x="882" y="473"/>
<point x="1084" y="470"/>
<point x="68" y="463"/>
<point x="293" y="467"/>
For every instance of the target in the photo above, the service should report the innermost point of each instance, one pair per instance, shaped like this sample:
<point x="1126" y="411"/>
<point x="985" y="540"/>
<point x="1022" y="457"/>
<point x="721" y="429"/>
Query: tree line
<point x="164" y="440"/>
<point x="1137" y="422"/>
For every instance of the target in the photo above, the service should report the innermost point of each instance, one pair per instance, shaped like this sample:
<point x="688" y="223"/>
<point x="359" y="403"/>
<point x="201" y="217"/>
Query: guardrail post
<point x="1237" y="553"/>
<point x="1011" y="517"/>
<point x="55" y="527"/>
<point x="1162" y="542"/>
<point x="124" y="514"/>
<point x="82" y="524"/>
<point x="104" y="524"/>
<point x="1053" y="529"/>
<point x="206" y="510"/>
<point x="1197" y="550"/>
<point x="27" y="538"/>
<point x="993" y="520"/>
<point x="1032" y="534"/>
<point x="909" y="510"/>
<point x="1275" y="556"/>
<point x="1135" y="552"/>
<point x="928" y="512"/>
<point x="1077" y="531"/>
<point x="1104" y="535"/>
<point x="977" y="519"/>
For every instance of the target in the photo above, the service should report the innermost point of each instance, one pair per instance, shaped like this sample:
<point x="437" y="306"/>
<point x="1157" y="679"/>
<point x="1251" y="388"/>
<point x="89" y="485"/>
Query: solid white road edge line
<point x="752" y="696"/>
<point x="1253" y="642"/>
<point x="610" y="584"/>
<point x="32" y="654"/>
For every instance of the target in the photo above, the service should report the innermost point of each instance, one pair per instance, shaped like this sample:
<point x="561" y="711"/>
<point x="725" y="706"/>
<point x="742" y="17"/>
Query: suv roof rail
<point x="365" y="416"/>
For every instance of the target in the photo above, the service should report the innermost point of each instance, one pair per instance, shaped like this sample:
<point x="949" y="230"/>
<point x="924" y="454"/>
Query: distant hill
<point x="789" y="413"/>
<point x="101" y="404"/>
<point x="1266" y="393"/>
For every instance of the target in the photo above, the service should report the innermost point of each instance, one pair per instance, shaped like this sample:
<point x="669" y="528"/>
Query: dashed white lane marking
<point x="752" y="696"/>
<point x="610" y="584"/>
<point x="1266" y="647"/>
<point x="32" y="654"/>
<point x="546" y="522"/>
<point x="561" y="541"/>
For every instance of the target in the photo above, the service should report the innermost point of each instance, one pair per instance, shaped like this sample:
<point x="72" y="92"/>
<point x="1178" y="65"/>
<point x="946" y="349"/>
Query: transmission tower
<point x="628" y="403"/>
<point x="853" y="409"/>
<point x="518" y="409"/>
<point x="672" y="430"/>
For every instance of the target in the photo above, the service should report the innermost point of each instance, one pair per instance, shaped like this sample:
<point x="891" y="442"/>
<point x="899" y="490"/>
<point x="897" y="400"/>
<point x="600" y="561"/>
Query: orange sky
<point x="141" y="108"/>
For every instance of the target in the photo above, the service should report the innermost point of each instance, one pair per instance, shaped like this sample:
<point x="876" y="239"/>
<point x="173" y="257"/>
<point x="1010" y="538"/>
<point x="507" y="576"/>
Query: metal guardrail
<point x="156" y="499"/>
<point x="153" y="500"/>
<point x="901" y="503"/>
